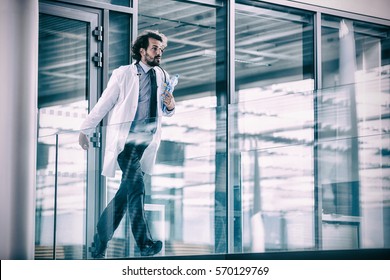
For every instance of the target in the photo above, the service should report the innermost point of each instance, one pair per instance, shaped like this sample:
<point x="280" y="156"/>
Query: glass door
<point x="67" y="88"/>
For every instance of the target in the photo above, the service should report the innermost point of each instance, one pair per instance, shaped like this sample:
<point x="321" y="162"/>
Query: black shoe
<point x="152" y="248"/>
<point x="98" y="248"/>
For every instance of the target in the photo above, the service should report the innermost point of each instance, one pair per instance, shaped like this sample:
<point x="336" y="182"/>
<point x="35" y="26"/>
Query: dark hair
<point x="142" y="41"/>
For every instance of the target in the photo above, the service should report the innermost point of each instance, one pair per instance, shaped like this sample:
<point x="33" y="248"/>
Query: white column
<point x="18" y="113"/>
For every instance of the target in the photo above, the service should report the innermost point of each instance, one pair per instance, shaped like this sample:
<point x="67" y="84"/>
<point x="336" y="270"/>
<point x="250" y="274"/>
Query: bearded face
<point x="152" y="55"/>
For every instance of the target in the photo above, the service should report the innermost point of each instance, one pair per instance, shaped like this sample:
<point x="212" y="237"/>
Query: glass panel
<point x="45" y="182"/>
<point x="191" y="51"/>
<point x="71" y="198"/>
<point x="338" y="236"/>
<point x="277" y="185"/>
<point x="179" y="201"/>
<point x="273" y="47"/>
<point x="62" y="92"/>
<point x="353" y="51"/>
<point x="185" y="181"/>
<point x="61" y="201"/>
<point x="119" y="40"/>
<point x="275" y="148"/>
<point x="271" y="129"/>
<point x="186" y="160"/>
<point x="353" y="134"/>
<point x="63" y="66"/>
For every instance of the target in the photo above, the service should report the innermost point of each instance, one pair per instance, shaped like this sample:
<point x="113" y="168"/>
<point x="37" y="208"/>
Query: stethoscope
<point x="165" y="75"/>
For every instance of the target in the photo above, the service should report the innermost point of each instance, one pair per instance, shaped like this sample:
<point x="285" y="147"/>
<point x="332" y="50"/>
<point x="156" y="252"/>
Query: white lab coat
<point x="120" y="101"/>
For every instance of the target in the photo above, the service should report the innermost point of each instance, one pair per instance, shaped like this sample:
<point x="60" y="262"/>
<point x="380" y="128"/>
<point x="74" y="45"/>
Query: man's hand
<point x="169" y="101"/>
<point x="83" y="141"/>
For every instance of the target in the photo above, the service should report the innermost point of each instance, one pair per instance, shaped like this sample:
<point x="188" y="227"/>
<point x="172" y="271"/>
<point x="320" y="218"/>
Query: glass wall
<point x="180" y="196"/>
<point x="119" y="40"/>
<point x="63" y="84"/>
<point x="283" y="167"/>
<point x="273" y="122"/>
<point x="353" y="134"/>
<point x="312" y="172"/>
<point x="274" y="51"/>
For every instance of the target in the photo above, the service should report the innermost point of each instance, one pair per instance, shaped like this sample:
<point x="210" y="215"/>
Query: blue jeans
<point x="130" y="196"/>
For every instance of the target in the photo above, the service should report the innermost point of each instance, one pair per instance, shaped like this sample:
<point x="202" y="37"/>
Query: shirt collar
<point x="145" y="67"/>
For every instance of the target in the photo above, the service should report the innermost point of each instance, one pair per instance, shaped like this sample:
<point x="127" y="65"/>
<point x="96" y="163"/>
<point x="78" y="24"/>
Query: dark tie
<point x="153" y="96"/>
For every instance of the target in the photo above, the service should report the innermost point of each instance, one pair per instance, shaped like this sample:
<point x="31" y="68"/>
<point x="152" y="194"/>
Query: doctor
<point x="134" y="103"/>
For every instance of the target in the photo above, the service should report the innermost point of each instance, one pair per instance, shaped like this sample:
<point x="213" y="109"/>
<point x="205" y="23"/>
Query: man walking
<point x="134" y="105"/>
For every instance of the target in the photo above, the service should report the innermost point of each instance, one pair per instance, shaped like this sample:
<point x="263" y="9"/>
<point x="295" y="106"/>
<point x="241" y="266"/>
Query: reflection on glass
<point x="45" y="181"/>
<point x="191" y="51"/>
<point x="119" y="40"/>
<point x="180" y="196"/>
<point x="272" y="47"/>
<point x="62" y="88"/>
<point x="186" y="180"/>
<point x="71" y="198"/>
<point x="289" y="141"/>
<point x="277" y="190"/>
<point x="271" y="129"/>
<point x="354" y="134"/>
<point x="276" y="152"/>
